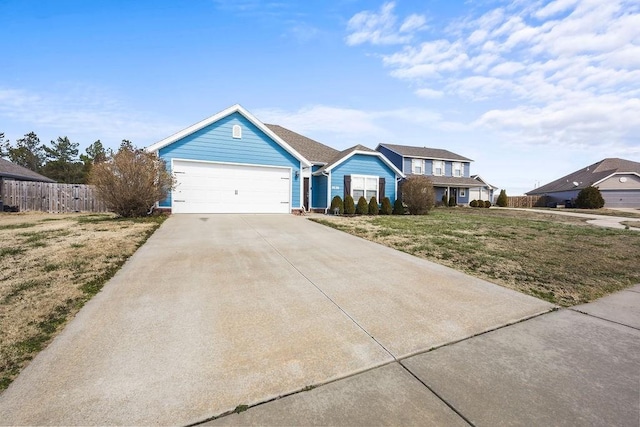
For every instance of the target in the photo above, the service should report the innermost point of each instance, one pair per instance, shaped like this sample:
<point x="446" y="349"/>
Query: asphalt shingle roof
<point x="342" y="154"/>
<point x="424" y="152"/>
<point x="454" y="181"/>
<point x="588" y="176"/>
<point x="13" y="171"/>
<point x="314" y="151"/>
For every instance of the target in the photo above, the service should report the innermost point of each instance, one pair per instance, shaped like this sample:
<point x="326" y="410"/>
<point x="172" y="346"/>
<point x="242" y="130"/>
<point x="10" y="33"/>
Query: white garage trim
<point x="222" y="187"/>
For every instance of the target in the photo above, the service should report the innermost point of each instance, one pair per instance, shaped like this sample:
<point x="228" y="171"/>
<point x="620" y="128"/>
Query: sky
<point x="530" y="90"/>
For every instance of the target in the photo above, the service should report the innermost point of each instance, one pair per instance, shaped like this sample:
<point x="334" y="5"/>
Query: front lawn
<point x="560" y="259"/>
<point x="50" y="265"/>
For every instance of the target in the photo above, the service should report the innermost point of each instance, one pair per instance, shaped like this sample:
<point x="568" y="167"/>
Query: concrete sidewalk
<point x="216" y="311"/>
<point x="593" y="219"/>
<point x="562" y="368"/>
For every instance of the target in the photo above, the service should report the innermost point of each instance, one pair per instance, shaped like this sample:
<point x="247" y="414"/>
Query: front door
<point x="305" y="193"/>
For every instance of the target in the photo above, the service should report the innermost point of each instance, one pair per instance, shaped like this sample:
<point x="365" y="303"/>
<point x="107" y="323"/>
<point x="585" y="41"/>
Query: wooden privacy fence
<point x="50" y="197"/>
<point x="526" y="201"/>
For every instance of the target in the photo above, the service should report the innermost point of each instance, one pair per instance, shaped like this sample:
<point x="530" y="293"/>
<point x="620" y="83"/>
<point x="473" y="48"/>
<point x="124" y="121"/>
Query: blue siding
<point x="448" y="168"/>
<point x="467" y="169"/>
<point x="361" y="164"/>
<point x="394" y="158"/>
<point x="463" y="200"/>
<point x="428" y="167"/>
<point x="407" y="166"/>
<point x="319" y="192"/>
<point x="215" y="143"/>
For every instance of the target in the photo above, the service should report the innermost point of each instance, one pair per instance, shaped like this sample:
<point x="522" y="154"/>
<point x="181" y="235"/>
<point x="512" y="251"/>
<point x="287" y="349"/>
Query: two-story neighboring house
<point x="450" y="173"/>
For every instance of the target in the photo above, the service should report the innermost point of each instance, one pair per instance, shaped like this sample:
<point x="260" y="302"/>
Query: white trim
<point x="366" y="153"/>
<point x="614" y="174"/>
<point x="237" y="108"/>
<point x="421" y="166"/>
<point x="236" y="132"/>
<point x="443" y="168"/>
<point x="291" y="177"/>
<point x="365" y="177"/>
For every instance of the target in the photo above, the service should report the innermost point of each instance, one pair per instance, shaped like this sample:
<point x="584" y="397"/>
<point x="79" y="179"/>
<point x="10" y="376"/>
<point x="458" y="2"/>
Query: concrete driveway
<point x="216" y="311"/>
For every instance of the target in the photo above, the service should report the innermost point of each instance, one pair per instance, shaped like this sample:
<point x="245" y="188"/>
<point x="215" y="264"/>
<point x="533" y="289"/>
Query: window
<point x="438" y="167"/>
<point x="364" y="186"/>
<point x="417" y="166"/>
<point x="458" y="169"/>
<point x="463" y="192"/>
<point x="237" y="132"/>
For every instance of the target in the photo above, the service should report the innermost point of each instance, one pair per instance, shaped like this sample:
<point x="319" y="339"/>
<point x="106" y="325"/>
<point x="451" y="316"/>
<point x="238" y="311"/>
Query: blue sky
<point x="530" y="90"/>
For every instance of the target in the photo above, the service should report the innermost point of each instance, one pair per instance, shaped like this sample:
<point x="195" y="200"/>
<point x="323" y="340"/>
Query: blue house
<point x="233" y="163"/>
<point x="450" y="173"/>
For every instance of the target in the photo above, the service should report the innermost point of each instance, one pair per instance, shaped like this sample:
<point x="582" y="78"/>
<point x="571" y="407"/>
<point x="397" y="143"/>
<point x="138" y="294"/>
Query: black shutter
<point x="347" y="186"/>
<point x="380" y="189"/>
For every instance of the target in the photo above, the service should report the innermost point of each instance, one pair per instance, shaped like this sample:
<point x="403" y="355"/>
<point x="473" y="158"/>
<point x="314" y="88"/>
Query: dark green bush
<point x="473" y="203"/>
<point x="398" y="207"/>
<point x="590" y="198"/>
<point x="362" y="208"/>
<point x="452" y="201"/>
<point x="386" y="207"/>
<point x="336" y="202"/>
<point x="502" y="199"/>
<point x="373" y="206"/>
<point x="487" y="204"/>
<point x="349" y="205"/>
<point x="444" y="199"/>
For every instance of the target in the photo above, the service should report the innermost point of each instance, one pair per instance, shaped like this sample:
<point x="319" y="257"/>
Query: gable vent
<point x="237" y="132"/>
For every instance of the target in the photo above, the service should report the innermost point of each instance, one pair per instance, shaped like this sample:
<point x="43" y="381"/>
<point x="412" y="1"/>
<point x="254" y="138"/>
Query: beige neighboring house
<point x="617" y="179"/>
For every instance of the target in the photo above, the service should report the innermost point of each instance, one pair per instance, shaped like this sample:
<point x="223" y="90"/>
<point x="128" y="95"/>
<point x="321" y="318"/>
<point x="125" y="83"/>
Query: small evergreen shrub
<point x="349" y="205"/>
<point x="362" y="208"/>
<point x="398" y="207"/>
<point x="452" y="201"/>
<point x="487" y="204"/>
<point x="590" y="198"/>
<point x="444" y="199"/>
<point x="373" y="206"/>
<point x="473" y="204"/>
<point x="386" y="208"/>
<point x="336" y="202"/>
<point x="502" y="199"/>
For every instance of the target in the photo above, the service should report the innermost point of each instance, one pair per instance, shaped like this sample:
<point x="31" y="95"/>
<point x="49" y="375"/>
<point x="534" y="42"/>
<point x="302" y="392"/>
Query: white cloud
<point x="82" y="112"/>
<point x="381" y="28"/>
<point x="547" y="72"/>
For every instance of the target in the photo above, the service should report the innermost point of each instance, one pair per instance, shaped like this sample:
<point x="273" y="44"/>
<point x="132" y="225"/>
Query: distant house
<point x="11" y="171"/>
<point x="617" y="179"/>
<point x="450" y="173"/>
<point x="231" y="162"/>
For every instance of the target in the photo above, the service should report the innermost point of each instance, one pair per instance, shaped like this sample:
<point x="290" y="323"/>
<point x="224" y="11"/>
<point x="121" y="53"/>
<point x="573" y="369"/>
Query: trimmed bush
<point x="398" y="207"/>
<point x="444" y="199"/>
<point x="590" y="198"/>
<point x="349" y="205"/>
<point x="487" y="204"/>
<point x="373" y="206"/>
<point x="386" y="208"/>
<point x="362" y="208"/>
<point x="452" y="201"/>
<point x="502" y="199"/>
<point x="473" y="204"/>
<point x="336" y="202"/>
<point x="418" y="194"/>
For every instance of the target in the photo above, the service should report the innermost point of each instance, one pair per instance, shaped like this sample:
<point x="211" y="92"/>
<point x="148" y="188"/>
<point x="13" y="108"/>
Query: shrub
<point x="487" y="204"/>
<point x="418" y="194"/>
<point x="373" y="206"/>
<point x="444" y="199"/>
<point x="349" y="205"/>
<point x="590" y="198"/>
<point x="473" y="204"/>
<point x="502" y="199"/>
<point x="452" y="201"/>
<point x="362" y="208"/>
<point x="386" y="208"/>
<point x="398" y="207"/>
<point x="131" y="181"/>
<point x="336" y="202"/>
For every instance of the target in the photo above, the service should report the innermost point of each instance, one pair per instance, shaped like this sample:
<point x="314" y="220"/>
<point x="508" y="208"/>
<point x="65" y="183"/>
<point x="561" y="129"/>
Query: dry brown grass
<point x="50" y="265"/>
<point x="558" y="258"/>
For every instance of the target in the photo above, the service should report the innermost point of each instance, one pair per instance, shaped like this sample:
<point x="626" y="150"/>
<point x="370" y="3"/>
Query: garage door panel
<point x="220" y="188"/>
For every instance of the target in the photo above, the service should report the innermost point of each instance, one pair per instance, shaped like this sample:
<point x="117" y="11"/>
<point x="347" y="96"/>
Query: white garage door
<point x="220" y="188"/>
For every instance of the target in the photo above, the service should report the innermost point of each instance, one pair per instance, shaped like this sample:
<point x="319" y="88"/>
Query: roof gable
<point x="14" y="171"/>
<point x="424" y="152"/>
<point x="344" y="155"/>
<point x="221" y="115"/>
<point x="590" y="175"/>
<point x="312" y="150"/>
